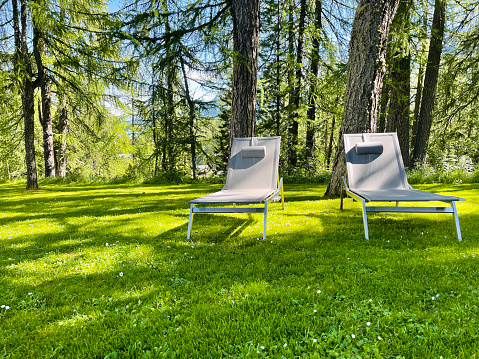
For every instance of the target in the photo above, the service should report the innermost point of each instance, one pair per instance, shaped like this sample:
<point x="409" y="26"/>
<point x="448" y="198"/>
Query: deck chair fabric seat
<point x="252" y="178"/>
<point x="234" y="196"/>
<point x="402" y="195"/>
<point x="376" y="174"/>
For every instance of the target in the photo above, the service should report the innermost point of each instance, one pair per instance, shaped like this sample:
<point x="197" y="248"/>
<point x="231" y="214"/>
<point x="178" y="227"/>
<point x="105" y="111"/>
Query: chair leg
<point x="456" y="219"/>
<point x="190" y="221"/>
<point x="365" y="220"/>
<point x="341" y="197"/>
<point x="265" y="218"/>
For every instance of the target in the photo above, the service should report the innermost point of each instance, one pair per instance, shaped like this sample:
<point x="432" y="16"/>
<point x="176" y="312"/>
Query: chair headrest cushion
<point x="368" y="148"/>
<point x="253" y="152"/>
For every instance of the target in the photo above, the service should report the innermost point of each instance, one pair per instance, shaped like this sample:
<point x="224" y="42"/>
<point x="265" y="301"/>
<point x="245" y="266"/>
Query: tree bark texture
<point x="383" y="106"/>
<point x="296" y="95"/>
<point x="417" y="102"/>
<point x="170" y="118"/>
<point x="48" y="151"/>
<point x="191" y="119"/>
<point x="45" y="115"/>
<point x="62" y="148"/>
<point x="245" y="67"/>
<point x="27" y="94"/>
<point x="426" y="111"/>
<point x="398" y="114"/>
<point x="311" y="113"/>
<point x="366" y="68"/>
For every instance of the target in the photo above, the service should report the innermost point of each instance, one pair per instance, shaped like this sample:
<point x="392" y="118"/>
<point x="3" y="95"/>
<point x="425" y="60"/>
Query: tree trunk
<point x="366" y="68"/>
<point x="430" y="84"/>
<point x="404" y="89"/>
<point x="383" y="107"/>
<point x="191" y="122"/>
<point x="278" y="79"/>
<point x="155" y="141"/>
<point x="399" y="77"/>
<point x="154" y="114"/>
<point x="62" y="150"/>
<point x="311" y="114"/>
<point x="398" y="112"/>
<point x="245" y="67"/>
<point x="330" y="143"/>
<point x="28" y="89"/>
<point x="29" y="123"/>
<point x="296" y="95"/>
<point x="48" y="151"/>
<point x="420" y="81"/>
<point x="45" y="115"/>
<point x="170" y="115"/>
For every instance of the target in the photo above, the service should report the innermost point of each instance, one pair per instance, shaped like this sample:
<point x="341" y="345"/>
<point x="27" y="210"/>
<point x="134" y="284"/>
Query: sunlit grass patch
<point x="107" y="271"/>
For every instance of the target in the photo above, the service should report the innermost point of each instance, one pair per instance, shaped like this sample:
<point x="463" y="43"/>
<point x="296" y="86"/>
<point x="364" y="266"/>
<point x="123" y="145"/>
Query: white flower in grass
<point x="3" y="306"/>
<point x="30" y="293"/>
<point x="106" y="244"/>
<point x="379" y="338"/>
<point x="370" y="300"/>
<point x="315" y="340"/>
<point x="262" y="347"/>
<point x="285" y="345"/>
<point x="7" y="307"/>
<point x="120" y="274"/>
<point x="315" y="311"/>
<point x="437" y="295"/>
<point x="353" y="336"/>
<point x="433" y="298"/>
<point x="368" y="324"/>
<point x="319" y="291"/>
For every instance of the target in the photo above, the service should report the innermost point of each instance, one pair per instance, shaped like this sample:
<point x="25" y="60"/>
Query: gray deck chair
<point x="376" y="174"/>
<point x="252" y="178"/>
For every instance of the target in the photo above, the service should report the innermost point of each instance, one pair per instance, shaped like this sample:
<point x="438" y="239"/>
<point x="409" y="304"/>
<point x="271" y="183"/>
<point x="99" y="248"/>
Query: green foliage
<point x="445" y="168"/>
<point x="221" y="136"/>
<point x="105" y="271"/>
<point x="322" y="177"/>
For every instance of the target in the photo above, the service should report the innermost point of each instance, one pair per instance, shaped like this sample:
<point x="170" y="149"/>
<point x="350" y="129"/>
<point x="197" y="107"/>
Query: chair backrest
<point x="254" y="163"/>
<point x="374" y="161"/>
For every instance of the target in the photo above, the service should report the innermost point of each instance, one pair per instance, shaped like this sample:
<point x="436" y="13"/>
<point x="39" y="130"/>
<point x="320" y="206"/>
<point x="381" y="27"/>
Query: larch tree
<point x="27" y="80"/>
<point x="431" y="76"/>
<point x="246" y="31"/>
<point x="315" y="47"/>
<point x="399" y="68"/>
<point x="366" y="68"/>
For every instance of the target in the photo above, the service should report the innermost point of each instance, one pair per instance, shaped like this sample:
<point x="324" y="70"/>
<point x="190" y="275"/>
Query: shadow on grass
<point x="211" y="228"/>
<point x="170" y="289"/>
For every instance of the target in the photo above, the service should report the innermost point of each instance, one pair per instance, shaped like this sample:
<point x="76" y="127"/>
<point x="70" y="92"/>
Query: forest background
<point x="144" y="89"/>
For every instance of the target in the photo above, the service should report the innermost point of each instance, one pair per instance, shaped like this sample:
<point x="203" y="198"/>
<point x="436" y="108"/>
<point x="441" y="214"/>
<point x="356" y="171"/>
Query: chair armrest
<point x="344" y="183"/>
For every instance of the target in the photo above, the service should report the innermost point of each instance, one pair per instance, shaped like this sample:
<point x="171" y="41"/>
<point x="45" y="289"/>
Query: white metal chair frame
<point x="390" y="143"/>
<point x="365" y="209"/>
<point x="274" y="197"/>
<point x="252" y="178"/>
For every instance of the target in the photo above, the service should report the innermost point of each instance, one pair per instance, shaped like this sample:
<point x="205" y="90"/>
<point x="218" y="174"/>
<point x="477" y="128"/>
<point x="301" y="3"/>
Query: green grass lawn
<point x="95" y="271"/>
